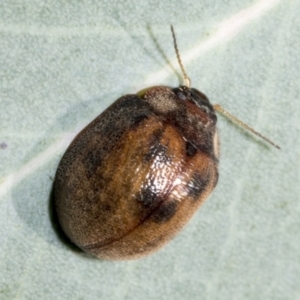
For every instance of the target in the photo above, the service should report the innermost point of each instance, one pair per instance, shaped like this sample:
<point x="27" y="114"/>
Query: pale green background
<point x="63" y="62"/>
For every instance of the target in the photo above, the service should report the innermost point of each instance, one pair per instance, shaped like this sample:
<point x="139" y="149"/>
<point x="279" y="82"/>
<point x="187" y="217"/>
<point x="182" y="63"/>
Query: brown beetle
<point x="136" y="174"/>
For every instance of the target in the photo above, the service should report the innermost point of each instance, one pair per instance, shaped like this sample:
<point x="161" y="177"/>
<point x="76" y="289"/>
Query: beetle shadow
<point x="56" y="225"/>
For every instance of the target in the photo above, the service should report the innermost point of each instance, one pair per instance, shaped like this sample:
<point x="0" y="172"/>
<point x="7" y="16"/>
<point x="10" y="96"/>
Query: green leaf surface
<point x="63" y="62"/>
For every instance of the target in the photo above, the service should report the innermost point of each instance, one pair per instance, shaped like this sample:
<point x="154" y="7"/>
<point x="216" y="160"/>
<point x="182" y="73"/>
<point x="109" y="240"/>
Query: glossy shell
<point x="136" y="174"/>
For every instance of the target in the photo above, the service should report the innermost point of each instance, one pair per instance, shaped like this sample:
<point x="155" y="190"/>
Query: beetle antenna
<point x="221" y="110"/>
<point x="187" y="80"/>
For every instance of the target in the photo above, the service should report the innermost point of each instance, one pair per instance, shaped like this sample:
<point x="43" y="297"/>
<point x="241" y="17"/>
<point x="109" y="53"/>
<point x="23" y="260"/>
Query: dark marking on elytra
<point x="148" y="196"/>
<point x="137" y="120"/>
<point x="156" y="137"/>
<point x="158" y="152"/>
<point x="197" y="185"/>
<point x="155" y="147"/>
<point x="165" y="211"/>
<point x="190" y="149"/>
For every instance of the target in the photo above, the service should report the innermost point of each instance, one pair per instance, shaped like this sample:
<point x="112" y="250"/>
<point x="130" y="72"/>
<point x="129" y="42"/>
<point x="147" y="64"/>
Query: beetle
<point x="135" y="175"/>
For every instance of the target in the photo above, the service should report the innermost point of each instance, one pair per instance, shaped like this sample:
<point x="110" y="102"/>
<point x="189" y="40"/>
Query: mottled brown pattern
<point x="135" y="176"/>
